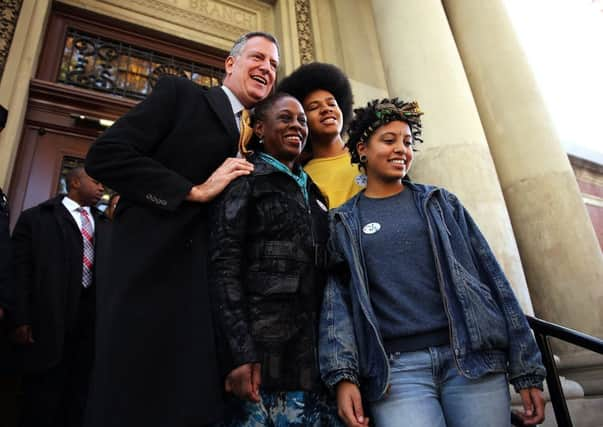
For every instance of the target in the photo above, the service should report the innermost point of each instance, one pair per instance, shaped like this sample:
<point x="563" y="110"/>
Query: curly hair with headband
<point x="377" y="113"/>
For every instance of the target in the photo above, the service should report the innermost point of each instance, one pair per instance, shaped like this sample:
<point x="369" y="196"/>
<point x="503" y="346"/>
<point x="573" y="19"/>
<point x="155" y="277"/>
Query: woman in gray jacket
<point x="418" y="318"/>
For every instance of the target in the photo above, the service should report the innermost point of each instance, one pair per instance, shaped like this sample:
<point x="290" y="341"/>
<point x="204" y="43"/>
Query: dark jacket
<point x="488" y="330"/>
<point x="7" y="291"/>
<point x="48" y="262"/>
<point x="6" y="265"/>
<point x="156" y="363"/>
<point x="267" y="275"/>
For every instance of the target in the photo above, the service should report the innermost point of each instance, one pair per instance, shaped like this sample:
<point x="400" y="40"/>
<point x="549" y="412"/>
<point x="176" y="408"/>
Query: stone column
<point x="20" y="67"/>
<point x="421" y="62"/>
<point x="560" y="253"/>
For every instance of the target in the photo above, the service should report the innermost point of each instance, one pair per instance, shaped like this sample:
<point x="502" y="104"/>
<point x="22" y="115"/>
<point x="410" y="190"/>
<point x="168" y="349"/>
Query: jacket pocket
<point x="271" y="320"/>
<point x="274" y="268"/>
<point x="272" y="283"/>
<point x="484" y="320"/>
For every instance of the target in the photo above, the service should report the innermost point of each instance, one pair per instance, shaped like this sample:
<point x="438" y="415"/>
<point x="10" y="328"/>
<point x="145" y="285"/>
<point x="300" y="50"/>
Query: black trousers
<point x="57" y="396"/>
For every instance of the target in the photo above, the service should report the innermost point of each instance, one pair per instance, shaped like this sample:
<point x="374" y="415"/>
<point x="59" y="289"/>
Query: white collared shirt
<point x="72" y="207"/>
<point x="235" y="104"/>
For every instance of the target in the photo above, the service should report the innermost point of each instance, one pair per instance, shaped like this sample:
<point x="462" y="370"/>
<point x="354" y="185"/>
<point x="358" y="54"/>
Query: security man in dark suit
<point x="156" y="362"/>
<point x="57" y="246"/>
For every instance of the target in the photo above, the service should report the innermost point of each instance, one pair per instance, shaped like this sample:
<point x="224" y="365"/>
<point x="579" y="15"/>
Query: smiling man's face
<point x="251" y="75"/>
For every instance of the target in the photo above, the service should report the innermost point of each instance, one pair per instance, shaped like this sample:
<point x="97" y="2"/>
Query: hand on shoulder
<point x="231" y="169"/>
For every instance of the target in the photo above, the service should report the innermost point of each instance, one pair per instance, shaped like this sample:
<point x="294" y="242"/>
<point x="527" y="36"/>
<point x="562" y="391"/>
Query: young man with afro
<point x="325" y="93"/>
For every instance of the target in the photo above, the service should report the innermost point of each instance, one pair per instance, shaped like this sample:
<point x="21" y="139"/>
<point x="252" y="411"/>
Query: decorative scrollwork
<point x="304" y="31"/>
<point x="84" y="46"/>
<point x="165" y="70"/>
<point x="107" y="53"/>
<point x="9" y="14"/>
<point x="119" y="68"/>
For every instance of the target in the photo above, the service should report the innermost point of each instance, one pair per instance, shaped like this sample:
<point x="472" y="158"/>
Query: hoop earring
<point x="362" y="158"/>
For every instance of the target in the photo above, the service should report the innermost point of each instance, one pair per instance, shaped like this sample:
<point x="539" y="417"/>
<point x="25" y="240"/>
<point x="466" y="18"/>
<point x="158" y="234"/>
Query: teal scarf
<point x="301" y="178"/>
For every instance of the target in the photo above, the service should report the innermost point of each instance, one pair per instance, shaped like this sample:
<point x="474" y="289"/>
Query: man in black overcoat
<point x="55" y="301"/>
<point x="156" y="361"/>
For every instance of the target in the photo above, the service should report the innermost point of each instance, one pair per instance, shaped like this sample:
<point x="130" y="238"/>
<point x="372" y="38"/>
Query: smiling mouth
<point x="401" y="162"/>
<point x="294" y="139"/>
<point x="260" y="80"/>
<point x="329" y="120"/>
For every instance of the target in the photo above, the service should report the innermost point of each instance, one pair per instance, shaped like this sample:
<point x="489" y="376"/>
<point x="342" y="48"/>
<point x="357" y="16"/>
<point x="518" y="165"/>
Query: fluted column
<point x="560" y="253"/>
<point x="20" y="67"/>
<point x="421" y="62"/>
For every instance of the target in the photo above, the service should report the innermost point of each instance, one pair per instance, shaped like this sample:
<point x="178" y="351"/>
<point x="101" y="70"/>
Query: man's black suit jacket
<point x="48" y="249"/>
<point x="156" y="362"/>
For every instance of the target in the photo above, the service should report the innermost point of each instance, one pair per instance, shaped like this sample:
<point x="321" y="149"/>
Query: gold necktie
<point x="245" y="132"/>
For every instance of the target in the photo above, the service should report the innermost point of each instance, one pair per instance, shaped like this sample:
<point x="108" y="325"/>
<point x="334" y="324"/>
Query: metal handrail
<point x="543" y="330"/>
<point x="566" y="334"/>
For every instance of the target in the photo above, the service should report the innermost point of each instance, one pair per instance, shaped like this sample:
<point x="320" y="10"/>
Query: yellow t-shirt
<point x="336" y="177"/>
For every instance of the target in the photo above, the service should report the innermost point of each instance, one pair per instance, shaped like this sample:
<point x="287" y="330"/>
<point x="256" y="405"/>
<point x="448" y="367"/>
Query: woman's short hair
<point x="317" y="75"/>
<point x="377" y="113"/>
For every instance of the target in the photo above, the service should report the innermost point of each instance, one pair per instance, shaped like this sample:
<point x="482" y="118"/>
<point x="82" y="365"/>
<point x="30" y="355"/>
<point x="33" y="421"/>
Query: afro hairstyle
<point x="317" y="75"/>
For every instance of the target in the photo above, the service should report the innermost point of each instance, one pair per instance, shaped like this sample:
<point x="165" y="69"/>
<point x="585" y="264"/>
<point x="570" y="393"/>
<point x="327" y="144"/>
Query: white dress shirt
<point x="235" y="104"/>
<point x="72" y="207"/>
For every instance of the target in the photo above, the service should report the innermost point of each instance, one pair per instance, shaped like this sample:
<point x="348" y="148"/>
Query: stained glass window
<point x="118" y="68"/>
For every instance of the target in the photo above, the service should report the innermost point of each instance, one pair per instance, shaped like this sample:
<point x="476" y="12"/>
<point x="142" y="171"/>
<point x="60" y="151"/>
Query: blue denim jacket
<point x="488" y="330"/>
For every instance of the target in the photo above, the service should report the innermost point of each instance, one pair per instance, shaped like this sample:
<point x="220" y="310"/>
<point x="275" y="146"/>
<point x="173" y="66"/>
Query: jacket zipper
<point x="356" y="244"/>
<point x="440" y="279"/>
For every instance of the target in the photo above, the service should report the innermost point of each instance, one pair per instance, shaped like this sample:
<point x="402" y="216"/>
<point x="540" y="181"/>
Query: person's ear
<point x="361" y="148"/>
<point x="229" y="64"/>
<point x="258" y="129"/>
<point x="76" y="183"/>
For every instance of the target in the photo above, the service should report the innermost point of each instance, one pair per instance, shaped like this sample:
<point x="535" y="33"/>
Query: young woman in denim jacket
<point x="268" y="272"/>
<point x="418" y="318"/>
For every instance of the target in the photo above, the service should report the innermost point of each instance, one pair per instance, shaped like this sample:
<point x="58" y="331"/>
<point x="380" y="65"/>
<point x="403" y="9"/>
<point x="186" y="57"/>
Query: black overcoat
<point x="47" y="247"/>
<point x="156" y="362"/>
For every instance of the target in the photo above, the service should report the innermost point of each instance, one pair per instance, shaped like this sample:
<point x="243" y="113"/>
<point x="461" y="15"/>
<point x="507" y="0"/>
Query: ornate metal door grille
<point x="121" y="69"/>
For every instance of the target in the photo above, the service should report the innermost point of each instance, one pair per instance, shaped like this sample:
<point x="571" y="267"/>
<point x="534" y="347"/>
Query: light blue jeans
<point x="427" y="390"/>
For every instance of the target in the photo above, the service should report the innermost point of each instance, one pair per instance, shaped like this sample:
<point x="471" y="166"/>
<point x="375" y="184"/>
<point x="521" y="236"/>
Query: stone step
<point x="585" y="412"/>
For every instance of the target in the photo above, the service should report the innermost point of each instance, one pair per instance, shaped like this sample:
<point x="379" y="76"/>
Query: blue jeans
<point x="427" y="390"/>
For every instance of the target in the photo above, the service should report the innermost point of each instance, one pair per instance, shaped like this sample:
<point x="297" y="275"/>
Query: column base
<point x="586" y="368"/>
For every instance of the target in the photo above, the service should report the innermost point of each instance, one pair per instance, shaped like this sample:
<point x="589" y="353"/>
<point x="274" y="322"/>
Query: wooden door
<point x="50" y="152"/>
<point x="55" y="138"/>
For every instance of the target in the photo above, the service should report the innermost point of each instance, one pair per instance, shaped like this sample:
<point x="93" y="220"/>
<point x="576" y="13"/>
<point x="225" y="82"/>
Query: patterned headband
<point x="387" y="112"/>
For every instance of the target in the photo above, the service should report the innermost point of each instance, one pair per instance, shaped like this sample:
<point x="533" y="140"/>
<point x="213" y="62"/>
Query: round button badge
<point x="371" y="228"/>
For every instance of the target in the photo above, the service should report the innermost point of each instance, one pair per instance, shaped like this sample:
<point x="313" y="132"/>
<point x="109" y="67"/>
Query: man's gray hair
<point x="239" y="44"/>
